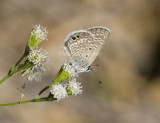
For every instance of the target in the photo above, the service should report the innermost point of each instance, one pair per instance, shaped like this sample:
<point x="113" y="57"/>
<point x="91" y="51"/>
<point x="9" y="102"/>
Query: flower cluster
<point x="39" y="32"/>
<point x="39" y="59"/>
<point x="74" y="87"/>
<point x="70" y="69"/>
<point x="37" y="35"/>
<point x="60" y="92"/>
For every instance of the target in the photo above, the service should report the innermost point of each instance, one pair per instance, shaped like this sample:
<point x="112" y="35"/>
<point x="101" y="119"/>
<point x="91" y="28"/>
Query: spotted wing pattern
<point x="83" y="46"/>
<point x="100" y="36"/>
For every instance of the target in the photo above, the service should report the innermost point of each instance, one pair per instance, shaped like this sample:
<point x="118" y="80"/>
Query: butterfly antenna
<point x="96" y="65"/>
<point x="100" y="82"/>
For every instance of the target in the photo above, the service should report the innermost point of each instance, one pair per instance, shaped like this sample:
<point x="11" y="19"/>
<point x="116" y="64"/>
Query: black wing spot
<point x="73" y="38"/>
<point x="77" y="36"/>
<point x="90" y="48"/>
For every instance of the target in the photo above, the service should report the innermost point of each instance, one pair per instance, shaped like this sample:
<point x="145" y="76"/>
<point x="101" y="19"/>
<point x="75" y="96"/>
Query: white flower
<point x="37" y="35"/>
<point x="39" y="59"/>
<point x="74" y="87"/>
<point x="39" y="32"/>
<point x="34" y="73"/>
<point x="69" y="69"/>
<point x="58" y="91"/>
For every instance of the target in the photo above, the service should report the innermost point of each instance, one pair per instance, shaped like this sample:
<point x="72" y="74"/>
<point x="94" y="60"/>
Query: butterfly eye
<point x="74" y="38"/>
<point x="77" y="36"/>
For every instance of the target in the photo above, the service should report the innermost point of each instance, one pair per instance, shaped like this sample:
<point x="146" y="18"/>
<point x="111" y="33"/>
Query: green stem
<point x="15" y="70"/>
<point x="61" y="75"/>
<point x="5" y="78"/>
<point x="26" y="65"/>
<point x="7" y="104"/>
<point x="20" y="59"/>
<point x="27" y="101"/>
<point x="43" y="90"/>
<point x="10" y="73"/>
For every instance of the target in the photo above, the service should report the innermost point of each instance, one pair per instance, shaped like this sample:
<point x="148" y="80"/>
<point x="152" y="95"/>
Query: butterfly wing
<point x="83" y="46"/>
<point x="77" y="45"/>
<point x="100" y="36"/>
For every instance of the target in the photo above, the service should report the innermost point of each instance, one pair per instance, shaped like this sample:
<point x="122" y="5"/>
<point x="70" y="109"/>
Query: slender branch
<point x="61" y="75"/>
<point x="7" y="104"/>
<point x="5" y="78"/>
<point x="43" y="90"/>
<point x="12" y="69"/>
<point x="21" y="59"/>
<point x="49" y="98"/>
<point x="25" y="66"/>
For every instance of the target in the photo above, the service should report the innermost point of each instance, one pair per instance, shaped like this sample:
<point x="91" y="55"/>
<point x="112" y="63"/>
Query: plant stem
<point x="5" y="78"/>
<point x="43" y="90"/>
<point x="61" y="75"/>
<point x="12" y="69"/>
<point x="27" y="101"/>
<point x="25" y="66"/>
<point x="20" y="59"/>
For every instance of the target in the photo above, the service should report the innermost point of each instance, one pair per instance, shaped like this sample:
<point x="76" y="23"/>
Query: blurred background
<point x="129" y="63"/>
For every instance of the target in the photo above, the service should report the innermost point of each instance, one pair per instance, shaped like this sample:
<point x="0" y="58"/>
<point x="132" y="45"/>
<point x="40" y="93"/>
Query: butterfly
<point x="83" y="46"/>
